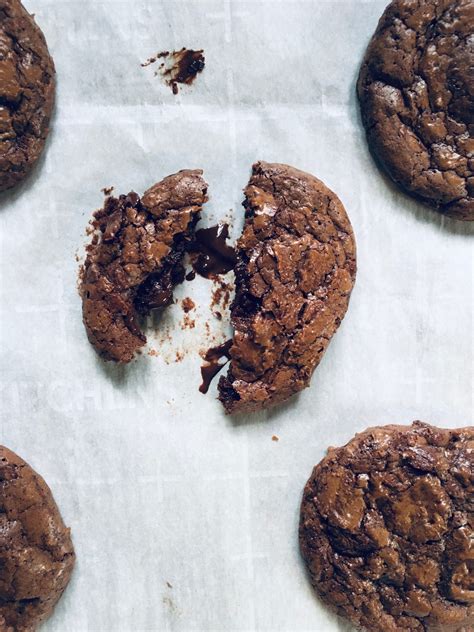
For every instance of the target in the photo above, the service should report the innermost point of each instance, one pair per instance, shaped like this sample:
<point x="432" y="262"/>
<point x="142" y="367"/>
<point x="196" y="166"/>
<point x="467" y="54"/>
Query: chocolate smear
<point x="180" y="66"/>
<point x="210" y="254"/>
<point x="212" y="368"/>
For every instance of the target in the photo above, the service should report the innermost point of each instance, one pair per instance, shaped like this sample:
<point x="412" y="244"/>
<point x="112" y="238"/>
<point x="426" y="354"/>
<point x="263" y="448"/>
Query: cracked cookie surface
<point x="387" y="527"/>
<point x="135" y="260"/>
<point x="416" y="91"/>
<point x="296" y="266"/>
<point x="36" y="552"/>
<point x="27" y="86"/>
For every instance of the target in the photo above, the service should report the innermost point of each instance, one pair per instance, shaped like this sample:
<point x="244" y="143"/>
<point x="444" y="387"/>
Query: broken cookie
<point x="27" y="86"/>
<point x="36" y="552"/>
<point x="136" y="259"/>
<point x="387" y="526"/>
<point x="296" y="266"/>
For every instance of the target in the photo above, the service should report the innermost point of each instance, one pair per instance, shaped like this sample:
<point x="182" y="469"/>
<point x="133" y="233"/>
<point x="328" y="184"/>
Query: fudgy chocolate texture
<point x="36" y="552"/>
<point x="26" y="92"/>
<point x="416" y="90"/>
<point x="387" y="529"/>
<point x="296" y="266"/>
<point x="135" y="260"/>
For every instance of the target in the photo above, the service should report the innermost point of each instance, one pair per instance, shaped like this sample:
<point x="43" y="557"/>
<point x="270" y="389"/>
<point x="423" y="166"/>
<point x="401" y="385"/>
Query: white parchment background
<point x="156" y="483"/>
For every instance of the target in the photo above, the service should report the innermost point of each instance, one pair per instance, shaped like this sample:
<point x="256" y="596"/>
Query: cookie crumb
<point x="188" y="322"/>
<point x="148" y="62"/>
<point x="221" y="293"/>
<point x="275" y="438"/>
<point x="188" y="304"/>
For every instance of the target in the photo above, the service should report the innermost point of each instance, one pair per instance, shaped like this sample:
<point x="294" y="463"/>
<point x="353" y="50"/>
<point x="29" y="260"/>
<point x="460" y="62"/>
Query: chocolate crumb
<point x="148" y="62"/>
<point x="107" y="190"/>
<point x="152" y="60"/>
<point x="275" y="438"/>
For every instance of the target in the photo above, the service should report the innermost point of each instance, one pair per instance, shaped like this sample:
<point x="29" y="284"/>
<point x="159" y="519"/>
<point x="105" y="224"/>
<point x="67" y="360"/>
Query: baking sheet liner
<point x="184" y="519"/>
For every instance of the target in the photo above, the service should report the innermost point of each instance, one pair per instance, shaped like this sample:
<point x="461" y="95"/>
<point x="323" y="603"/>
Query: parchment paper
<point x="158" y="485"/>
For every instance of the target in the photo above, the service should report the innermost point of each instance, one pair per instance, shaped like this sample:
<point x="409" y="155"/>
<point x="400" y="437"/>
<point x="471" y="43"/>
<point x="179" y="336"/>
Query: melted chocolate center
<point x="210" y="253"/>
<point x="212" y="357"/>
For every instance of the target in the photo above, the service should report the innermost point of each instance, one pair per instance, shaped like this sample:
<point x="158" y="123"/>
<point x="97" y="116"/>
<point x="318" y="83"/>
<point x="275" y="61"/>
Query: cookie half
<point x="387" y="529"/>
<point x="416" y="92"/>
<point x="296" y="266"/>
<point x="27" y="87"/>
<point x="36" y="552"/>
<point x="135" y="260"/>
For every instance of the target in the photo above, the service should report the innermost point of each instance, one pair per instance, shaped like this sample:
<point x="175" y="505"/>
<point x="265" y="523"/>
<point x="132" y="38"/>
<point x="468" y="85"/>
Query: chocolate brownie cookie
<point x="387" y="529"/>
<point x="36" y="552"/>
<point x="26" y="92"/>
<point x="136" y="259"/>
<point x="296" y="266"/>
<point x="416" y="91"/>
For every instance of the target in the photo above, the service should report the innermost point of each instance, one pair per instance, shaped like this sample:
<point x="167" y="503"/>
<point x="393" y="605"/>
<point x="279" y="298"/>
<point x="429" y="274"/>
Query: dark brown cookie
<point x="36" y="552"/>
<point x="27" y="87"/>
<point x="387" y="529"/>
<point x="135" y="260"/>
<point x="296" y="266"/>
<point x="416" y="91"/>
